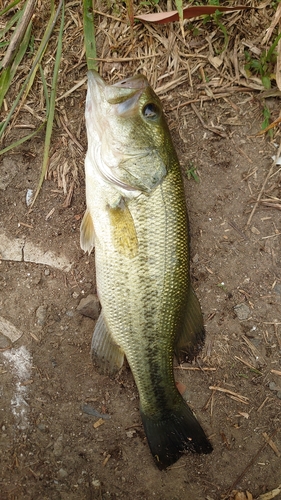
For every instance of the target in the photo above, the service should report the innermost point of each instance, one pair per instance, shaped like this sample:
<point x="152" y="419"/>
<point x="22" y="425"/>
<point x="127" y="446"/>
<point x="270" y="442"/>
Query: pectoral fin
<point x="107" y="357"/>
<point x="87" y="233"/>
<point x="124" y="234"/>
<point x="192" y="333"/>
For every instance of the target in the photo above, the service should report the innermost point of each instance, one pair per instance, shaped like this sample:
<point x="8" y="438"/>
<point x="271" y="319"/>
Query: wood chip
<point x="98" y="423"/>
<point x="276" y="372"/>
<point x="106" y="460"/>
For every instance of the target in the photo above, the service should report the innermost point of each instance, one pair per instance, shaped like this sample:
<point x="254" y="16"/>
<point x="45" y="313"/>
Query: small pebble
<point x="41" y="427"/>
<point x="277" y="289"/>
<point x="29" y="197"/>
<point x="131" y="434"/>
<point x="255" y="341"/>
<point x="58" y="447"/>
<point x="242" y="311"/>
<point x="89" y="306"/>
<point x="195" y="258"/>
<point x="62" y="473"/>
<point x="255" y="230"/>
<point x="41" y="313"/>
<point x="272" y="386"/>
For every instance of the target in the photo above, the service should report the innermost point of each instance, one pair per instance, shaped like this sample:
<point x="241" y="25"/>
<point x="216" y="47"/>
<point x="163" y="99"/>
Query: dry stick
<point x="227" y="391"/>
<point x="19" y="33"/>
<point x="233" y="486"/>
<point x="272" y="205"/>
<point x="232" y="224"/>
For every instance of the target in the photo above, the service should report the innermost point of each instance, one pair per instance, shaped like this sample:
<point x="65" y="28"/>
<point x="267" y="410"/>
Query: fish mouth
<point x="120" y="92"/>
<point x="133" y="82"/>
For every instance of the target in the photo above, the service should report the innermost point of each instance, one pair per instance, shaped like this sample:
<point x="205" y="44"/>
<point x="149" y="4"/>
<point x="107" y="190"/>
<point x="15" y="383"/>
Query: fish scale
<point x="136" y="214"/>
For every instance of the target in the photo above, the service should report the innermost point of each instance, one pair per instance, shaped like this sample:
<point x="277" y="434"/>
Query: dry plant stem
<point x="227" y="391"/>
<point x="19" y="33"/>
<point x="272" y="205"/>
<point x="275" y="20"/>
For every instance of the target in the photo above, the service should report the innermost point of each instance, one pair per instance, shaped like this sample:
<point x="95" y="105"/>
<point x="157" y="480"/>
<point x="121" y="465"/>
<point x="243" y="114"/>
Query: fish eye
<point x="150" y="111"/>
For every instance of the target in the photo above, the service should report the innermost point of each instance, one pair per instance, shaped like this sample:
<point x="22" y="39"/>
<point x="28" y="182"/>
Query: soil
<point x="51" y="448"/>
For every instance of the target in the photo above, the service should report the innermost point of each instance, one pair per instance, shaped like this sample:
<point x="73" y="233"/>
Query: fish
<point x="136" y="220"/>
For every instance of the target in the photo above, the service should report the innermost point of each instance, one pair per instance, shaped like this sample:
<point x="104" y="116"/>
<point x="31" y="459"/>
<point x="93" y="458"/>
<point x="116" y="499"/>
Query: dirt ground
<point x="50" y="448"/>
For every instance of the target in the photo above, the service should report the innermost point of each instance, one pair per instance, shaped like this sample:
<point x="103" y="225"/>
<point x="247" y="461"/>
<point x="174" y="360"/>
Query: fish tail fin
<point x="176" y="433"/>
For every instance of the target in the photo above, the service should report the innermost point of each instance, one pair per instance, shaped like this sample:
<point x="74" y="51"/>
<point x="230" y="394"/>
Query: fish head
<point x="128" y="139"/>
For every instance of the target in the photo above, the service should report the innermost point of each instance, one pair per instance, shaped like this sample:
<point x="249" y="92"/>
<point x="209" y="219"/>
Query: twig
<point x="227" y="391"/>
<point x="232" y="224"/>
<point x="272" y="205"/>
<point x="247" y="364"/>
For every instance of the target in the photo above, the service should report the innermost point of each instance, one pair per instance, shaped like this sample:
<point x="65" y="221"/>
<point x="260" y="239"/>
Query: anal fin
<point x="107" y="357"/>
<point x="87" y="233"/>
<point x="191" y="335"/>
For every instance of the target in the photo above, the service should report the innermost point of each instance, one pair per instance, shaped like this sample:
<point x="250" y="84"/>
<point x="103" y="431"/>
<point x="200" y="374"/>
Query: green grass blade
<point x="23" y="139"/>
<point x="52" y="103"/>
<point x="45" y="88"/>
<point x="9" y="73"/>
<point x="5" y="79"/>
<point x="89" y="35"/>
<point x="8" y="7"/>
<point x="272" y="48"/>
<point x="31" y="75"/>
<point x="179" y="7"/>
<point x="10" y="23"/>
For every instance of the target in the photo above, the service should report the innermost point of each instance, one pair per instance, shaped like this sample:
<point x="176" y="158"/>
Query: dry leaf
<point x="240" y="495"/>
<point x="188" y="13"/>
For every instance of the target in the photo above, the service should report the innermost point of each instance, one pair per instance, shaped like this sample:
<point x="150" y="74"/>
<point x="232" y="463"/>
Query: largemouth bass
<point x="137" y="220"/>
